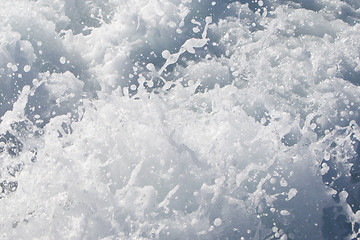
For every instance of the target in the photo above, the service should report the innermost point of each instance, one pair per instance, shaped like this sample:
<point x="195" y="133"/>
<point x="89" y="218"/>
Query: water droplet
<point x="27" y="68"/>
<point x="217" y="222"/>
<point x="62" y="60"/>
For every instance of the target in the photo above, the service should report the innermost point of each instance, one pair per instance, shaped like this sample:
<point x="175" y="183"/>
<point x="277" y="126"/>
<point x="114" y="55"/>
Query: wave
<point x="179" y="119"/>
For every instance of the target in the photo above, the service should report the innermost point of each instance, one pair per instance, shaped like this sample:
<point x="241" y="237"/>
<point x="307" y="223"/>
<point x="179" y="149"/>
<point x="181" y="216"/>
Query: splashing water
<point x="179" y="119"/>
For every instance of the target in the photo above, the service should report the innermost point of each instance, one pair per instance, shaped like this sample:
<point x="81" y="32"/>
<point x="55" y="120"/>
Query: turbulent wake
<point x="179" y="119"/>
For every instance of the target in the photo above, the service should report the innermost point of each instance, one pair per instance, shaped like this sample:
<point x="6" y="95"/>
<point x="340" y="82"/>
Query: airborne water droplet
<point x="27" y="68"/>
<point x="62" y="60"/>
<point x="217" y="222"/>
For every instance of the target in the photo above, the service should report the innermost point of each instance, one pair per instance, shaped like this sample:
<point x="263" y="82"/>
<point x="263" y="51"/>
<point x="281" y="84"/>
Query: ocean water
<point x="179" y="119"/>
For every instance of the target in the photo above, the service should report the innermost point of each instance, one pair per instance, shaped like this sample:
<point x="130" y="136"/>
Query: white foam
<point x="238" y="132"/>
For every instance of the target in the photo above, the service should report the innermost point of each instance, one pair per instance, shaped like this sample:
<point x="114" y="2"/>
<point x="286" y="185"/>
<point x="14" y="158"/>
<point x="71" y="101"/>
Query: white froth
<point x="179" y="119"/>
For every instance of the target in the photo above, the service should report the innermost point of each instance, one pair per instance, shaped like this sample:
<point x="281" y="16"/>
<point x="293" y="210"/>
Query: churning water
<point x="179" y="119"/>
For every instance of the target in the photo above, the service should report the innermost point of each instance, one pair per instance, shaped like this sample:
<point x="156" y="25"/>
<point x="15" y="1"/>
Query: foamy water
<point x="179" y="119"/>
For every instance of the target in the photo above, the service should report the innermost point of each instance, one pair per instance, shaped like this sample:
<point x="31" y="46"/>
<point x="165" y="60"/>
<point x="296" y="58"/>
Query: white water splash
<point x="118" y="121"/>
